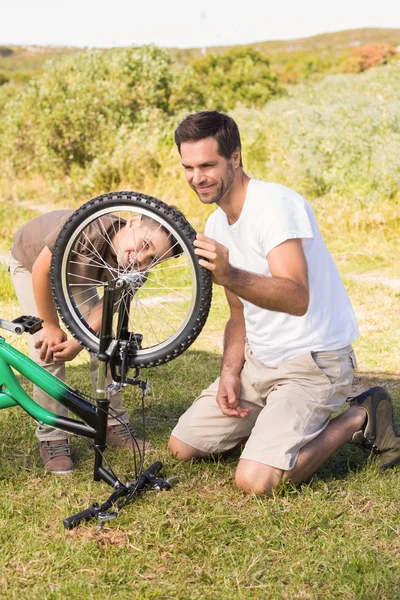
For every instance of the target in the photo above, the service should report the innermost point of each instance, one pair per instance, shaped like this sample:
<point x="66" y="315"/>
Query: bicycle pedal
<point x="173" y="479"/>
<point x="103" y="517"/>
<point x="113" y="388"/>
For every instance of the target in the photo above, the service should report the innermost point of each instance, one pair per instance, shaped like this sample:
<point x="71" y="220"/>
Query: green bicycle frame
<point x="13" y="394"/>
<point x="94" y="418"/>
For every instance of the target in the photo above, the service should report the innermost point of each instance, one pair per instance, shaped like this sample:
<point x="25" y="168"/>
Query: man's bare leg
<point x="183" y="451"/>
<point x="256" y="478"/>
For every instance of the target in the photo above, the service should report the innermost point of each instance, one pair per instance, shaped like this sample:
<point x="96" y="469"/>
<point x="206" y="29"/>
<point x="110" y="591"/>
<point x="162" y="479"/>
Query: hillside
<point x="20" y="63"/>
<point x="336" y="41"/>
<point x="294" y="59"/>
<point x="307" y="58"/>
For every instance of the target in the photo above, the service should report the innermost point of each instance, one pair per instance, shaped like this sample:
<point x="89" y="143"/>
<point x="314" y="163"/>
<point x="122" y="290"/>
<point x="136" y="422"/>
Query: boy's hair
<point x="210" y="123"/>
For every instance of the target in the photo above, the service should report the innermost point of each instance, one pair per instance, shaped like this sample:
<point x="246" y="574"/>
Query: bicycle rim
<point x="169" y="299"/>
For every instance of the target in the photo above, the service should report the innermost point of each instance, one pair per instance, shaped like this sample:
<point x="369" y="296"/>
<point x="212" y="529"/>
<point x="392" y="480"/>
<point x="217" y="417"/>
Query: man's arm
<point x="285" y="291"/>
<point x="228" y="394"/>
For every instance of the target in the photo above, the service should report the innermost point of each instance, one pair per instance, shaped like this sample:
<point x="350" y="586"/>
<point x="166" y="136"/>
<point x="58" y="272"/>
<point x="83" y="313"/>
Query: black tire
<point x="190" y="303"/>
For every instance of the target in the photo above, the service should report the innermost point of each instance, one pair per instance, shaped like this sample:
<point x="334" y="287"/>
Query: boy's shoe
<point x="56" y="456"/>
<point x="379" y="434"/>
<point x="123" y="436"/>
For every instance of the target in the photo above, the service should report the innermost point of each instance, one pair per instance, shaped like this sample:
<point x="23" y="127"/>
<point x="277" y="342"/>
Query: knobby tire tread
<point x="178" y="223"/>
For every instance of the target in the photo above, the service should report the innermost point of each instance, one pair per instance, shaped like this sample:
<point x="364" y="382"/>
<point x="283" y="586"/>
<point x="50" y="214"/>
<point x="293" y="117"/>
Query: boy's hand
<point x="50" y="335"/>
<point x="66" y="350"/>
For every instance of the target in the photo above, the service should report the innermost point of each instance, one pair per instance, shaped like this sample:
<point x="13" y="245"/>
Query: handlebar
<point x="84" y="515"/>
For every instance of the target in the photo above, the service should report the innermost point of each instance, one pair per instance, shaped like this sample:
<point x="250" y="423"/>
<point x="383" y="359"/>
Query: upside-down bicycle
<point x="146" y="319"/>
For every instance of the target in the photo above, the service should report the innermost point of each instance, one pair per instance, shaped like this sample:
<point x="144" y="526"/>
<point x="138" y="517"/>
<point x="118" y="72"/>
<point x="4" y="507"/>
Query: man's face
<point x="208" y="173"/>
<point x="141" y="244"/>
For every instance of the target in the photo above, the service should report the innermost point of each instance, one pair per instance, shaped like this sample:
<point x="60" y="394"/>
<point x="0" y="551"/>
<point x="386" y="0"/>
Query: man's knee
<point x="183" y="451"/>
<point x="256" y="478"/>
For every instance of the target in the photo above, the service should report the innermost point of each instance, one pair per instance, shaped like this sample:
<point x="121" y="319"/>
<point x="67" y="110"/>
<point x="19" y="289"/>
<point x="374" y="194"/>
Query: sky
<point x="184" y="23"/>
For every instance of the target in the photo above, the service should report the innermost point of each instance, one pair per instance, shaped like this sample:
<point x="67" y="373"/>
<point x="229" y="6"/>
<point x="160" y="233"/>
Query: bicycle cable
<point x="135" y="445"/>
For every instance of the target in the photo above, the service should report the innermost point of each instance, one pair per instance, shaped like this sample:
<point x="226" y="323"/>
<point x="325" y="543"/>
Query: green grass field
<point x="337" y="536"/>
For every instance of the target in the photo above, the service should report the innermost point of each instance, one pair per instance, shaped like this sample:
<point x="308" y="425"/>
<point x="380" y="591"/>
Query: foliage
<point x="308" y="58"/>
<point x="70" y="115"/>
<point x="21" y="63"/>
<point x="221" y="81"/>
<point x="86" y="116"/>
<point x="86" y="126"/>
<point x="368" y="56"/>
<point x="13" y="215"/>
<point x="336" y="142"/>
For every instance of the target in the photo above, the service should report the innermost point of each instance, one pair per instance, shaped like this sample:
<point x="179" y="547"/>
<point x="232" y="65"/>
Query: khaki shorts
<point x="290" y="405"/>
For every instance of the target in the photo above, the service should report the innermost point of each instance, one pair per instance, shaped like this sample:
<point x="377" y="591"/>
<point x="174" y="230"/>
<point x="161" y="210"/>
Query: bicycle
<point x="128" y="318"/>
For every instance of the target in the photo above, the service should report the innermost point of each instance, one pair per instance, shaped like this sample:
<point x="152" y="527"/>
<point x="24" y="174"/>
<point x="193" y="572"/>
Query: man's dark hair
<point x="210" y="123"/>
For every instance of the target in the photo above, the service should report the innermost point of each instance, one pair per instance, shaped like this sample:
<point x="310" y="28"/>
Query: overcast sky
<point x="184" y="23"/>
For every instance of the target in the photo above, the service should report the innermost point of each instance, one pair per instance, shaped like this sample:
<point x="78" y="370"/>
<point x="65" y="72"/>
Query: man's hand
<point x="216" y="258"/>
<point x="228" y="397"/>
<point x="49" y="336"/>
<point x="66" y="350"/>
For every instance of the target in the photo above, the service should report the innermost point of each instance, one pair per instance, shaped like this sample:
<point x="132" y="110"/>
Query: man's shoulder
<point x="265" y="197"/>
<point x="270" y="189"/>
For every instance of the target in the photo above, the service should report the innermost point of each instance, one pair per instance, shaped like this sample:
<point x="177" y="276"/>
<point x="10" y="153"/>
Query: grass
<point x="337" y="536"/>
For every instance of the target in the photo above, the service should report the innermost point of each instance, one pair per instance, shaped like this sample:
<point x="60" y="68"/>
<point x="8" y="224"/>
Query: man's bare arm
<point x="228" y="395"/>
<point x="285" y="291"/>
<point x="234" y="337"/>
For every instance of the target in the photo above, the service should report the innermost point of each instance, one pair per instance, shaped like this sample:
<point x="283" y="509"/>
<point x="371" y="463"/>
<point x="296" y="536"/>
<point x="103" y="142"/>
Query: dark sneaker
<point x="56" y="456"/>
<point x="380" y="433"/>
<point x="122" y="436"/>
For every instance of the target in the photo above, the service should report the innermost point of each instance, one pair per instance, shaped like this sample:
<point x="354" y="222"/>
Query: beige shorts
<point x="290" y="405"/>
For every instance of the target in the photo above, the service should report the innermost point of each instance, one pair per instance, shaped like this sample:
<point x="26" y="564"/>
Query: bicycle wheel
<point x="147" y="243"/>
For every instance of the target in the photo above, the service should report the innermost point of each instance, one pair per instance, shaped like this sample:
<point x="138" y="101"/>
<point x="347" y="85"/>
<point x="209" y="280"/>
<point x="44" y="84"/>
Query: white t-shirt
<point x="271" y="214"/>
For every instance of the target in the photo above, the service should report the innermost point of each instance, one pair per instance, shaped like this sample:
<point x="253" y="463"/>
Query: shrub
<point x="337" y="142"/>
<point x="70" y="115"/>
<point x="368" y="56"/>
<point x="220" y="81"/>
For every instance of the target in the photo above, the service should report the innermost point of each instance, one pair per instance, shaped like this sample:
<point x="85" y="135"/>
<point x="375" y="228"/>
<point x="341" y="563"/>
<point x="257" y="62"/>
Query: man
<point x="288" y="363"/>
<point x="137" y="243"/>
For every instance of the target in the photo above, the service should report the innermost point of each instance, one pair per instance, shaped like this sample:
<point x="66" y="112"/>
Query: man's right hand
<point x="50" y="335"/>
<point x="228" y="397"/>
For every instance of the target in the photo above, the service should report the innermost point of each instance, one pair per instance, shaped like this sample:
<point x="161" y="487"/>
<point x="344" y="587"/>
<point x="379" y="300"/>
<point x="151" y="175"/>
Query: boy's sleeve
<point x="51" y="238"/>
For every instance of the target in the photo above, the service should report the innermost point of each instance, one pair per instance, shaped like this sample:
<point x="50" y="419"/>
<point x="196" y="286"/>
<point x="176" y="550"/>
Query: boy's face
<point x="141" y="244"/>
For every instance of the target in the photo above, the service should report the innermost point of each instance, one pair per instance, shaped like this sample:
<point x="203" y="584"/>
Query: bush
<point x="70" y="116"/>
<point x="368" y="56"/>
<point x="337" y="142"/>
<point x="221" y="81"/>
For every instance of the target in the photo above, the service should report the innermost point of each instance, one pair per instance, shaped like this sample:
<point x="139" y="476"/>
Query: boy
<point x="137" y="243"/>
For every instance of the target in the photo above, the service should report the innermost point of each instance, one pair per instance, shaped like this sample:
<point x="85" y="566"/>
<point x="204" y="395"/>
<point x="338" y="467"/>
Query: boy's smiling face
<point x="141" y="243"/>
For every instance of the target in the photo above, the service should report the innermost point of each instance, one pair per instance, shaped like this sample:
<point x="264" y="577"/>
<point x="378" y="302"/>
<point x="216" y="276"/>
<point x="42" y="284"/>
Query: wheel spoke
<point x="158" y="301"/>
